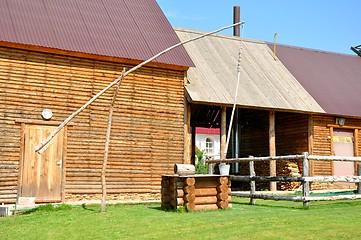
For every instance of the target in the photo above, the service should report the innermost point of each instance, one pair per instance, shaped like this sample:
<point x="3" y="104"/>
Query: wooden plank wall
<point x="147" y="135"/>
<point x="291" y="133"/>
<point x="322" y="140"/>
<point x="322" y="144"/>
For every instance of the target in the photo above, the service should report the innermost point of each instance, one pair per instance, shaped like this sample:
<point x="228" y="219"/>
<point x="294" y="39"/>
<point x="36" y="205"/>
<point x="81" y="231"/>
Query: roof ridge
<point x="180" y="29"/>
<point x="312" y="49"/>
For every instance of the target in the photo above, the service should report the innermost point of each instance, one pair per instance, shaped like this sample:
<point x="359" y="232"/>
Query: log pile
<point x="195" y="193"/>
<point x="288" y="168"/>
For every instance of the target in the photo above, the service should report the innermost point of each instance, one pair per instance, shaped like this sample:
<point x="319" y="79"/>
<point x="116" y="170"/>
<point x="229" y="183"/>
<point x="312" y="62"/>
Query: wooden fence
<point x="304" y="180"/>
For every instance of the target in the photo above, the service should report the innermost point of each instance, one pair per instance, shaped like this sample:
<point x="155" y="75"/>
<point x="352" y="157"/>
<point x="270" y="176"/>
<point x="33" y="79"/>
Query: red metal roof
<point x="131" y="29"/>
<point x="212" y="131"/>
<point x="332" y="79"/>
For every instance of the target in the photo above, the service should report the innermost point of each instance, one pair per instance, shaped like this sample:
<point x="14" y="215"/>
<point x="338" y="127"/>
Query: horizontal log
<point x="268" y="196"/>
<point x="223" y="180"/>
<point x="334" y="158"/>
<point x="223" y="188"/>
<point x="189" y="198"/>
<point x="190" y="205"/>
<point x="190" y="181"/>
<point x="200" y="192"/>
<point x="189" y="189"/>
<point x="333" y="198"/>
<point x="206" y="200"/>
<point x="223" y="196"/>
<point x="184" y="169"/>
<point x="233" y="160"/>
<point x="222" y="204"/>
<point x="205" y="207"/>
<point x="266" y="178"/>
<point x="351" y="179"/>
<point x="206" y="183"/>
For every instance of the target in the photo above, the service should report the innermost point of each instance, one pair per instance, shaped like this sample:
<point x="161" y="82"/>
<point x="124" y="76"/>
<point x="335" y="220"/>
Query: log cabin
<point x="333" y="80"/>
<point x="287" y="105"/>
<point x="54" y="57"/>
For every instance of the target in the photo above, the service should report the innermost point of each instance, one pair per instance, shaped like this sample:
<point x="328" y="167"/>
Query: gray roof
<point x="265" y="83"/>
<point x="128" y="29"/>
<point x="333" y="79"/>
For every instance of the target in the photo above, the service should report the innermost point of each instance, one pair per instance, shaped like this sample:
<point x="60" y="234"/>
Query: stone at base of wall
<point x="96" y="198"/>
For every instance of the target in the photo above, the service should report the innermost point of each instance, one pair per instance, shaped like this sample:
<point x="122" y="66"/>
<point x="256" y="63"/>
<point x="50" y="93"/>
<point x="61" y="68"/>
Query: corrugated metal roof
<point x="265" y="83"/>
<point x="333" y="79"/>
<point x="131" y="29"/>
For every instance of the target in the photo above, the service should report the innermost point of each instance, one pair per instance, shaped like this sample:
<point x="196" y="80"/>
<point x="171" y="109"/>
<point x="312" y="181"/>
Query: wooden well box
<point x="196" y="192"/>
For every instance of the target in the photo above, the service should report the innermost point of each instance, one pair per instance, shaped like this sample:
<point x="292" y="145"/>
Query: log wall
<point x="147" y="134"/>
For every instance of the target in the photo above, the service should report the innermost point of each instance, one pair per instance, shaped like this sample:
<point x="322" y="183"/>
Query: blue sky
<point x="331" y="25"/>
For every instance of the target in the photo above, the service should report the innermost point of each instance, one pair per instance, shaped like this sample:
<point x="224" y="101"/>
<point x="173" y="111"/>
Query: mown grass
<point x="265" y="220"/>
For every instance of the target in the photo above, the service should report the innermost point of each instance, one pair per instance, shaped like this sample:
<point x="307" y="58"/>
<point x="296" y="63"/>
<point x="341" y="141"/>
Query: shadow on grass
<point x="270" y="204"/>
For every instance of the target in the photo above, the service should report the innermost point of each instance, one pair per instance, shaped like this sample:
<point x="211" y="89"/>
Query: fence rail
<point x="305" y="180"/>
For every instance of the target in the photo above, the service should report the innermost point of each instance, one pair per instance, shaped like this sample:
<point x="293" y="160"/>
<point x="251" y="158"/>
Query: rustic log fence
<point x="305" y="179"/>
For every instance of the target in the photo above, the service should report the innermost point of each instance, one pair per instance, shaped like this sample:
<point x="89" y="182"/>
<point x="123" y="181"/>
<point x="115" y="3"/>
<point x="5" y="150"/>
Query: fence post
<point x="305" y="185"/>
<point x="359" y="173"/>
<point x="252" y="173"/>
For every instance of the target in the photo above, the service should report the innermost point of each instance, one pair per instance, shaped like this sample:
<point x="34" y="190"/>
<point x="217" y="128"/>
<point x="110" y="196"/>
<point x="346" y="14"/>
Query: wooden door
<point x="41" y="173"/>
<point x="343" y="145"/>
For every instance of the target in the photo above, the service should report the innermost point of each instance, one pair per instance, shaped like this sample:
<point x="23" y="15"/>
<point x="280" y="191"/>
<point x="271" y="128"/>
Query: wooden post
<point x="63" y="165"/>
<point x="272" y="149"/>
<point x="253" y="183"/>
<point x="223" y="132"/>
<point x="357" y="164"/>
<point x="306" y="185"/>
<point x="187" y="133"/>
<point x="310" y="141"/>
<point x="193" y="145"/>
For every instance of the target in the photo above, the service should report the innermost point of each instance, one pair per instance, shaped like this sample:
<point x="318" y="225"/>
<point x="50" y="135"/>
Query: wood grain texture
<point x="148" y="126"/>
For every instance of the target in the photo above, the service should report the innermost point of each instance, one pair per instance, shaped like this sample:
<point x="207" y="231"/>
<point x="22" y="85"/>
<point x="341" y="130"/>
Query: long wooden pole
<point x="42" y="146"/>
<point x="234" y="103"/>
<point x="106" y="148"/>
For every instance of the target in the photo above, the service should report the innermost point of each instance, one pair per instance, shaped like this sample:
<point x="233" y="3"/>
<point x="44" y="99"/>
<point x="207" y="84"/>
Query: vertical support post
<point x="305" y="185"/>
<point x="187" y="133"/>
<point x="63" y="167"/>
<point x="272" y="148"/>
<point x="253" y="183"/>
<point x="223" y="132"/>
<point x="310" y="142"/>
<point x="359" y="173"/>
<point x="193" y="145"/>
<point x="357" y="164"/>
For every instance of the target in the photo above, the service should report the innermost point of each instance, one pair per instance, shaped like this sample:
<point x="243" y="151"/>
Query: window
<point x="209" y="146"/>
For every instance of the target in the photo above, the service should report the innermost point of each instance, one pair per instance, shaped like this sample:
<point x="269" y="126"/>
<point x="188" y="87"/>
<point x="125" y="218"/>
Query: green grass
<point x="265" y="220"/>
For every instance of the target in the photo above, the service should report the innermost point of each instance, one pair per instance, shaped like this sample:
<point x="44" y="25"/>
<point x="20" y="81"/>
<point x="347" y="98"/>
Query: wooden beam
<point x="223" y="132"/>
<point x="63" y="167"/>
<point x="272" y="148"/>
<point x="193" y="145"/>
<point x="310" y="141"/>
<point x="21" y="160"/>
<point x="187" y="133"/>
<point x="332" y="153"/>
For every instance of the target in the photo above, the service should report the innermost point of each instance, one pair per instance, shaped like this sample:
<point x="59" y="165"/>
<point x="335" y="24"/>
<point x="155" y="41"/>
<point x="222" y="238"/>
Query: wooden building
<point x="56" y="55"/>
<point x="333" y="80"/>
<point x="281" y="108"/>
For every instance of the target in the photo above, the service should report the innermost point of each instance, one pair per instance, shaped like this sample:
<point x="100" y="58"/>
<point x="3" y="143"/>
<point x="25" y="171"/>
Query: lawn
<point x="265" y="220"/>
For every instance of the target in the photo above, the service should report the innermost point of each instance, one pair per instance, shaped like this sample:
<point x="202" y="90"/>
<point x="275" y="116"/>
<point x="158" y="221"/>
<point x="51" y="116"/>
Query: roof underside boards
<point x="333" y="79"/>
<point x="129" y="29"/>
<point x="264" y="83"/>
